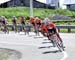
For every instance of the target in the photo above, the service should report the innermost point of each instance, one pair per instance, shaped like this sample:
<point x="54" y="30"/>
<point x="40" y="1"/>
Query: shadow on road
<point x="37" y="37"/>
<point x="45" y="39"/>
<point x="47" y="52"/>
<point x="45" y="47"/>
<point x="45" y="42"/>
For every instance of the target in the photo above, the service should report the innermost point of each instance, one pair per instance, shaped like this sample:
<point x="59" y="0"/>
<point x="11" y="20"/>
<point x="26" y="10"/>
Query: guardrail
<point x="69" y="27"/>
<point x="19" y="26"/>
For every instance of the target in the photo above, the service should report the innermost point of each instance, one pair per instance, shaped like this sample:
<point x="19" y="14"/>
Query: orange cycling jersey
<point x="51" y="25"/>
<point x="38" y="20"/>
<point x="44" y="28"/>
<point x="32" y="20"/>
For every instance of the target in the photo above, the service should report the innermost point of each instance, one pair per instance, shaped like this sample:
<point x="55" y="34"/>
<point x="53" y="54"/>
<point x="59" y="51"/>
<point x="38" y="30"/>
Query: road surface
<point x="32" y="47"/>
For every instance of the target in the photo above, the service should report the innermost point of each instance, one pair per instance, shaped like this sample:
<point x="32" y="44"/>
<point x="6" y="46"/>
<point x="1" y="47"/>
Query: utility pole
<point x="31" y="7"/>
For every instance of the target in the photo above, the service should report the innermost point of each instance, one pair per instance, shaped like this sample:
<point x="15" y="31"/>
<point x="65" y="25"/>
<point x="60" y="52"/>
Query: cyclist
<point x="38" y="23"/>
<point x="43" y="29"/>
<point x="50" y="29"/>
<point x="53" y="29"/>
<point x="23" y="20"/>
<point x="14" y="22"/>
<point x="32" y="21"/>
<point x="4" y="24"/>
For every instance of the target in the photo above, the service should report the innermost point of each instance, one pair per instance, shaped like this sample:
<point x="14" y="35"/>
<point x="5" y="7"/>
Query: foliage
<point x="40" y="12"/>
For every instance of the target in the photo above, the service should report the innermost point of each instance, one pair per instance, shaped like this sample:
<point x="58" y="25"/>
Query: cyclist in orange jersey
<point x="38" y="21"/>
<point x="44" y="29"/>
<point x="53" y="29"/>
<point x="32" y="21"/>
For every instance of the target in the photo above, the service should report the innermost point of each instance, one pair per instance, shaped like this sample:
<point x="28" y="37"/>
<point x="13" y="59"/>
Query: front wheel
<point x="60" y="46"/>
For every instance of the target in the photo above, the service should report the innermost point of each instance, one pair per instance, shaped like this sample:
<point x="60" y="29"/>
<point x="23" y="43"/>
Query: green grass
<point x="64" y="23"/>
<point x="73" y="30"/>
<point x="17" y="11"/>
<point x="40" y="12"/>
<point x="25" y="11"/>
<point x="66" y="30"/>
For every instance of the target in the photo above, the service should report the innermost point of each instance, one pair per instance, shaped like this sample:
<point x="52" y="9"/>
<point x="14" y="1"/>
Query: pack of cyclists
<point x="49" y="30"/>
<point x="46" y="27"/>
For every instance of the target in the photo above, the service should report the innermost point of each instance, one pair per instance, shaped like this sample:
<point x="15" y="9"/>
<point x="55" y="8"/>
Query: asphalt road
<point x="34" y="47"/>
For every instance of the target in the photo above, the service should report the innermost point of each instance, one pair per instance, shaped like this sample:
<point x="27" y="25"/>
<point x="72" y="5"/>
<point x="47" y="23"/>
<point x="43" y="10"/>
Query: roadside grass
<point x="66" y="31"/>
<point x="39" y="12"/>
<point x="73" y="30"/>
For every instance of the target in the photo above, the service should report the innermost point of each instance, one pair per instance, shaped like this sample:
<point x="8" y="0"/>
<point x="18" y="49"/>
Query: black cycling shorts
<point x="52" y="30"/>
<point x="33" y="24"/>
<point x="23" y="23"/>
<point x="38" y="23"/>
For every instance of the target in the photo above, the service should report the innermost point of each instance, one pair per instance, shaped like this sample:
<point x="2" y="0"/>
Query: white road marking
<point x="65" y="55"/>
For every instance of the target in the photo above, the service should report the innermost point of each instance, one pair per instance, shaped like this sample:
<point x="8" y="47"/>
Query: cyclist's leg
<point x="50" y="37"/>
<point x="57" y="33"/>
<point x="23" y="27"/>
<point x="16" y="27"/>
<point x="2" y="27"/>
<point x="5" y="28"/>
<point x="59" y="37"/>
<point x="60" y="41"/>
<point x="44" y="33"/>
<point x="37" y="30"/>
<point x="27" y="30"/>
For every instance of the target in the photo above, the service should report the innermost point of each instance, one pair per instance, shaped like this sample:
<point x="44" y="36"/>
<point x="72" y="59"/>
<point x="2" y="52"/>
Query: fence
<point x="68" y="27"/>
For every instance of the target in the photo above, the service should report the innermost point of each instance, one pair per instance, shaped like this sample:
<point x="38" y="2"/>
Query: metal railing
<point x="68" y="27"/>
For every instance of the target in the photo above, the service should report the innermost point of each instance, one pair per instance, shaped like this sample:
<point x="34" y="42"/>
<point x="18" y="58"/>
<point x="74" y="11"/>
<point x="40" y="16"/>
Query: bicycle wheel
<point x="58" y="45"/>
